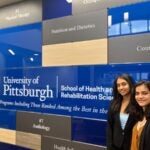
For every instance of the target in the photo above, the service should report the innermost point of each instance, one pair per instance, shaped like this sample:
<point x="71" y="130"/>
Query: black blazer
<point x="117" y="138"/>
<point x="145" y="137"/>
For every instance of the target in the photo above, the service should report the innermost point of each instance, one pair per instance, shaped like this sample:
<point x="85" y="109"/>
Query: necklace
<point x="141" y="123"/>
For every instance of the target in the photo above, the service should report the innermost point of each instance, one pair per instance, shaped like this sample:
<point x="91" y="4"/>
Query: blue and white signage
<point x="84" y="91"/>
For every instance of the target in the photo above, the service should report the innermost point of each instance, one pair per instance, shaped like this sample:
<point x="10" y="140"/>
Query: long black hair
<point x="137" y="109"/>
<point x="117" y="97"/>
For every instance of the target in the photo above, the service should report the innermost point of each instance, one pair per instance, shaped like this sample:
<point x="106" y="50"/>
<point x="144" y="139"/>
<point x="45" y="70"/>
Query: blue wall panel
<point x="21" y="46"/>
<point x="9" y="119"/>
<point x="89" y="131"/>
<point x="56" y="8"/>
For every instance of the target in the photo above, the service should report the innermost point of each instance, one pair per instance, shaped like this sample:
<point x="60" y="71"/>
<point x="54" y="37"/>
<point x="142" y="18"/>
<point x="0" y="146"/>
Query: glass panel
<point x="125" y="28"/>
<point x="139" y="26"/>
<point x="114" y="30"/>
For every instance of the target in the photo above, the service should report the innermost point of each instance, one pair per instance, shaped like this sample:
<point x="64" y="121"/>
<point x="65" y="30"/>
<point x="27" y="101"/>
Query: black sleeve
<point x="145" y="138"/>
<point x="109" y="131"/>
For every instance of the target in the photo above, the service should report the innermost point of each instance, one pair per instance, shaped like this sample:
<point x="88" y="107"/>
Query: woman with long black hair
<point x="120" y="121"/>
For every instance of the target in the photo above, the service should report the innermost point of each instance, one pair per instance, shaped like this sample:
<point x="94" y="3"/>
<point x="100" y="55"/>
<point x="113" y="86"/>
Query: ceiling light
<point x="31" y="58"/>
<point x="109" y="21"/>
<point x="11" y="52"/>
<point x="69" y="1"/>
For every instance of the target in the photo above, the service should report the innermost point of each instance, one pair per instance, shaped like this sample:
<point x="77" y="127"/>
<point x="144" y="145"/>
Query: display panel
<point x="84" y="91"/>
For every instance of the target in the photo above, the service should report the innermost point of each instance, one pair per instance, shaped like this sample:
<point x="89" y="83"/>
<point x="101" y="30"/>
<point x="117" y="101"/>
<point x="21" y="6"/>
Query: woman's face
<point x="123" y="87"/>
<point x="142" y="95"/>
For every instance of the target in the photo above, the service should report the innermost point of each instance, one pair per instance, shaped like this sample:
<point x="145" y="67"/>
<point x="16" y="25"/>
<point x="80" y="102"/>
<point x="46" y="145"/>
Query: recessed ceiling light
<point x="69" y="1"/>
<point x="11" y="52"/>
<point x="36" y="54"/>
<point x="31" y="58"/>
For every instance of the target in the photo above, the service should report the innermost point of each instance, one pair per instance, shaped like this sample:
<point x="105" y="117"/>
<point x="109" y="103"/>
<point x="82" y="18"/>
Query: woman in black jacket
<point x="141" y="130"/>
<point x="120" y="121"/>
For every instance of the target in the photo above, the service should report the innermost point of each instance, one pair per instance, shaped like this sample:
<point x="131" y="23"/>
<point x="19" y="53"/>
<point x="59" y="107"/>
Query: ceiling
<point x="8" y="2"/>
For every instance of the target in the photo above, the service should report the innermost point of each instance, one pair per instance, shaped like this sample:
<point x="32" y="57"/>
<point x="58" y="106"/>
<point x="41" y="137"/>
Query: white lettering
<point x="17" y="15"/>
<point x="43" y="94"/>
<point x="90" y="1"/>
<point x="143" y="49"/>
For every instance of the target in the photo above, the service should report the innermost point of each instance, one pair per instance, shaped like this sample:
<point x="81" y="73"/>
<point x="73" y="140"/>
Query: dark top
<point x="117" y="138"/>
<point x="145" y="137"/>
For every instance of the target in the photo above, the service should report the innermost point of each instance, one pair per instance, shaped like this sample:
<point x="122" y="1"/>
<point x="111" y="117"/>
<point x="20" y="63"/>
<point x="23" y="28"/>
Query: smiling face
<point x="123" y="87"/>
<point x="142" y="95"/>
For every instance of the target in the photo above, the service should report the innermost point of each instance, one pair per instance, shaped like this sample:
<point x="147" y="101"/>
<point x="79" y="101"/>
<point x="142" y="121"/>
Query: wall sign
<point x="53" y="144"/>
<point x="43" y="124"/>
<point x="84" y="91"/>
<point x="131" y="48"/>
<point x="85" y="6"/>
<point x="21" y="13"/>
<point x="75" y="28"/>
